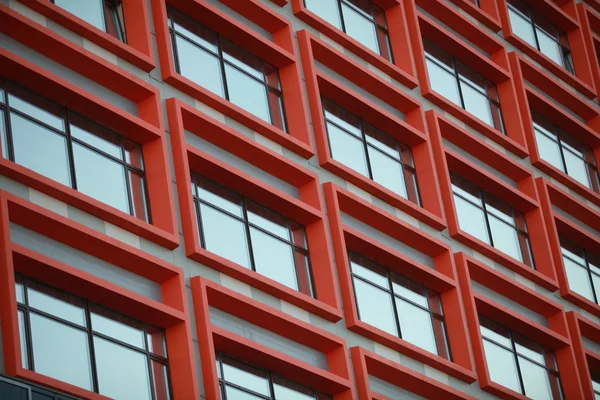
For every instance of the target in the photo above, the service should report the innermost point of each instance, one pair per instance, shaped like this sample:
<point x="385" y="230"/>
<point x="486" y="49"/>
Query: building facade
<point x="299" y="199"/>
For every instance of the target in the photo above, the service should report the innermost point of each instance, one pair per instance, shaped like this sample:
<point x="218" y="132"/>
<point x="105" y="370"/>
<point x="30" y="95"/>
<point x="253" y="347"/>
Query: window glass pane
<point x="500" y="209"/>
<point x="375" y="307"/>
<point x="360" y="28"/>
<point x="521" y="27"/>
<point x="40" y="149"/>
<point x="137" y="187"/>
<point x="268" y="220"/>
<point x="505" y="238"/>
<point x="199" y="66"/>
<point x="348" y="150"/>
<point x="4" y="135"/>
<point x="471" y="219"/>
<point x="247" y="93"/>
<point x="443" y="82"/>
<point x="535" y="380"/>
<point x="224" y="236"/>
<point x="579" y="279"/>
<point x="596" y="280"/>
<point x="470" y="76"/>
<point x="194" y="31"/>
<point x="100" y="177"/>
<point x="20" y="292"/>
<point x="529" y="349"/>
<point x="156" y="341"/>
<point x="387" y="172"/>
<point x="52" y="305"/>
<point x="369" y="271"/>
<point x="549" y="149"/>
<point x="91" y="11"/>
<point x="273" y="258"/>
<point x="495" y="332"/>
<point x="243" y="60"/>
<point x="233" y="393"/>
<point x="122" y="373"/>
<point x="502" y="366"/>
<point x="409" y="290"/>
<point x="571" y="250"/>
<point x="284" y="393"/>
<point x="36" y="112"/>
<point x="343" y="118"/>
<point x="477" y="104"/>
<point x="416" y="326"/>
<point x="104" y="141"/>
<point x="466" y="189"/>
<point x="133" y="154"/>
<point x="117" y="330"/>
<point x="220" y="197"/>
<point x="61" y="352"/>
<point x="23" y="340"/>
<point x="382" y="141"/>
<point x="246" y="379"/>
<point x="161" y="381"/>
<point x="549" y="47"/>
<point x="326" y="9"/>
<point x="577" y="168"/>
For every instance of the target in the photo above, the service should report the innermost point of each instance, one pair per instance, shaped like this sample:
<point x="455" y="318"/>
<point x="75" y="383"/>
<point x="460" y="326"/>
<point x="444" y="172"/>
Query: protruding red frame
<point x="564" y="16"/>
<point x="552" y="196"/>
<point x="590" y="26"/>
<point x="138" y="50"/>
<point x="555" y="337"/>
<point x="587" y="359"/>
<point x="402" y="70"/>
<point x="335" y="381"/>
<point x="307" y="210"/>
<point x="146" y="129"/>
<point x="279" y="52"/>
<point x="411" y="132"/>
<point x="494" y="67"/>
<point x="523" y="197"/>
<point x="171" y="314"/>
<point x="487" y="13"/>
<point x="368" y="363"/>
<point x="442" y="279"/>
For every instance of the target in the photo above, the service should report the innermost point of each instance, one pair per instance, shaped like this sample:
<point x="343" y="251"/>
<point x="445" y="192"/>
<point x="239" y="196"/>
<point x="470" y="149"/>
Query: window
<point x="520" y="364"/>
<point x="70" y="339"/>
<point x="371" y="152"/>
<point x="463" y="86"/>
<point x="227" y="70"/>
<point x="540" y="33"/>
<point x="596" y="385"/>
<point x="399" y="306"/>
<point x="12" y="389"/>
<point x="252" y="236"/>
<point x="70" y="149"/>
<point x="239" y="380"/>
<point x="491" y="220"/>
<point x="583" y="270"/>
<point x="360" y="19"/>
<point x="566" y="153"/>
<point x="106" y="15"/>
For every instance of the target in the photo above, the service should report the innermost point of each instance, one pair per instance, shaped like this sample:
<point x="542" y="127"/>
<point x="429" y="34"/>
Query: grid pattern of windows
<point x="463" y="86"/>
<point x="360" y="19"/>
<point x="252" y="236"/>
<point x="491" y="220"/>
<point x="371" y="152"/>
<point x="239" y="380"/>
<point x="399" y="306"/>
<point x="566" y="153"/>
<point x="540" y="33"/>
<point x="106" y="15"/>
<point x="519" y="363"/>
<point x="583" y="270"/>
<point x="75" y="341"/>
<point x="227" y="70"/>
<point x="61" y="145"/>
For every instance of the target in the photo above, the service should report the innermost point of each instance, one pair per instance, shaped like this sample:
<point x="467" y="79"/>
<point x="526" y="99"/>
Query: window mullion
<point x="9" y="132"/>
<point x="249" y="238"/>
<point x="150" y="366"/>
<point x="222" y="64"/>
<point x="90" y="329"/>
<point x="487" y="217"/>
<point x="341" y="11"/>
<point x="396" y="316"/>
<point x="28" y="333"/>
<point x="458" y="81"/>
<point x="590" y="275"/>
<point x="516" y="355"/>
<point x="70" y="153"/>
<point x="128" y="185"/>
<point x="366" y="147"/>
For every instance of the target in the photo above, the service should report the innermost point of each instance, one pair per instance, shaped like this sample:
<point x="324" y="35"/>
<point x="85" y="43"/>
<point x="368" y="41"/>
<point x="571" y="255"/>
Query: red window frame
<point x="523" y="198"/>
<point x="307" y="210"/>
<point x="442" y="279"/>
<point x="147" y="129"/>
<point x="496" y="68"/>
<point x="590" y="26"/>
<point x="587" y="360"/>
<point x="554" y="337"/>
<point x="335" y="381"/>
<point x="403" y="70"/>
<point x="550" y="196"/>
<point x="564" y="16"/>
<point x="138" y="50"/>
<point x="171" y="314"/>
<point x="487" y="13"/>
<point x="411" y="133"/>
<point x="368" y="363"/>
<point x="279" y="52"/>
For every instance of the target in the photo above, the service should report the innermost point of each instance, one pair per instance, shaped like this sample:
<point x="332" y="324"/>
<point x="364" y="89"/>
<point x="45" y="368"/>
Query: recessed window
<point x="399" y="306"/>
<point x="68" y="148"/>
<point x="226" y="69"/>
<point x="583" y="270"/>
<point x="566" y="153"/>
<point x="106" y="15"/>
<point x="491" y="220"/>
<point x="371" y="152"/>
<point x="72" y="340"/>
<point x="360" y="19"/>
<point x="252" y="236"/>
<point x="463" y="86"/>
<point x="519" y="363"/>
<point x="540" y="33"/>
<point x="239" y="380"/>
<point x="596" y="384"/>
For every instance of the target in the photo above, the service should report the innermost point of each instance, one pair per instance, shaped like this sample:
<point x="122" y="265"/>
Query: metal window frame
<point x="586" y="267"/>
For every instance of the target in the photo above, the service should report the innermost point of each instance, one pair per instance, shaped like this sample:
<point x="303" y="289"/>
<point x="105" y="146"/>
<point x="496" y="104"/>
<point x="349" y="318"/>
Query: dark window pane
<point x="243" y="60"/>
<point x="36" y="107"/>
<point x="117" y="326"/>
<point x="56" y="303"/>
<point x="369" y="271"/>
<point x="156" y="341"/>
<point x="133" y="154"/>
<point x="410" y="290"/>
<point x="530" y="349"/>
<point x="268" y="220"/>
<point x="115" y="19"/>
<point x="495" y="332"/>
<point x="91" y="134"/>
<point x="161" y="381"/>
<point x="220" y="197"/>
<point x="245" y="376"/>
<point x="138" y="195"/>
<point x="194" y="31"/>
